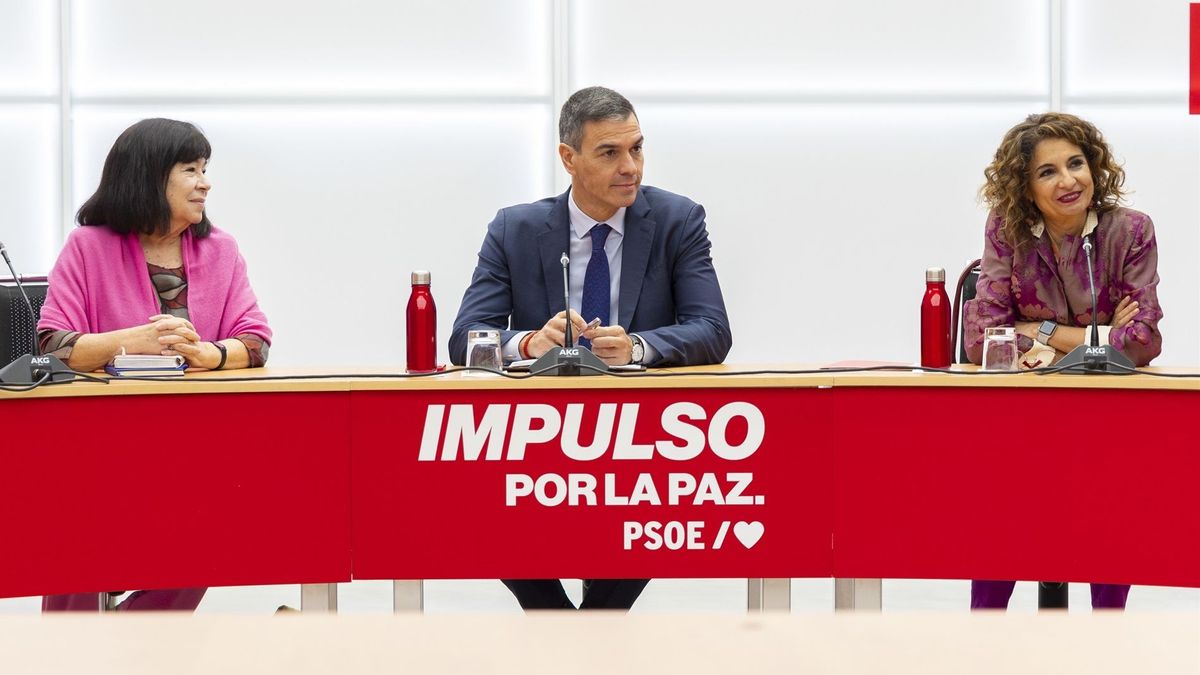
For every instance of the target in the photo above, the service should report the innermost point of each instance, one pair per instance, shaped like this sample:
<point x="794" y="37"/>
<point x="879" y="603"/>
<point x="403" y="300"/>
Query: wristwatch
<point x="639" y="349"/>
<point x="1046" y="331"/>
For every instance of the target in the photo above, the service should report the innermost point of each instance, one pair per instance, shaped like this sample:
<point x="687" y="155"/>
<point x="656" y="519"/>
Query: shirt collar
<point x="1088" y="226"/>
<point x="581" y="222"/>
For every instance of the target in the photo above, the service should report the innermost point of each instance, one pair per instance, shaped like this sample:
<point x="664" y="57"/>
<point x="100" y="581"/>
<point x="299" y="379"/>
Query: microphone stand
<point x="1094" y="358"/>
<point x="567" y="360"/>
<point x="33" y="368"/>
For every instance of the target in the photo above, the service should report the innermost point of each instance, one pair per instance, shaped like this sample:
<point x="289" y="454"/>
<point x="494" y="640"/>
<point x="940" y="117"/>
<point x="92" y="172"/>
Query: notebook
<point x="146" y="365"/>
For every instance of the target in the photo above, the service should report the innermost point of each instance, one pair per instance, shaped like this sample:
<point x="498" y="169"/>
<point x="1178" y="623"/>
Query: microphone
<point x="566" y="264"/>
<point x="1095" y="358"/>
<point x="33" y="368"/>
<point x="566" y="360"/>
<point x="1087" y="249"/>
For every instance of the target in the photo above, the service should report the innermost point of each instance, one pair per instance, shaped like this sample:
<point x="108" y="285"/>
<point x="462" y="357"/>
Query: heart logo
<point x="748" y="533"/>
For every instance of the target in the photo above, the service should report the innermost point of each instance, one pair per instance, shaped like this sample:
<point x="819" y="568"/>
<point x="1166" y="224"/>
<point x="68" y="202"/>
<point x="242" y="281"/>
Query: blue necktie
<point x="596" y="287"/>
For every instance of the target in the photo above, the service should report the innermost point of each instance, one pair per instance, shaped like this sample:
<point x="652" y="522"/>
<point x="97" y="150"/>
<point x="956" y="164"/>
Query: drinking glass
<point x="483" y="351"/>
<point x="1000" y="348"/>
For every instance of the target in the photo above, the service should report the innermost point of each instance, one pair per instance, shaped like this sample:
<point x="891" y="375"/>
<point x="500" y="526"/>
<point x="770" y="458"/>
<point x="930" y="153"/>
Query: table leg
<point x="858" y="595"/>
<point x="318" y="598"/>
<point x="408" y="596"/>
<point x="769" y="595"/>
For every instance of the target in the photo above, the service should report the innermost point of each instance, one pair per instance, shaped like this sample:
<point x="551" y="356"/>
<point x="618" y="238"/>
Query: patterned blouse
<point x="1031" y="285"/>
<point x="171" y="284"/>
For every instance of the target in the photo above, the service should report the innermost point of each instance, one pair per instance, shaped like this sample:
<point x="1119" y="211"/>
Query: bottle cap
<point x="421" y="277"/>
<point x="931" y="274"/>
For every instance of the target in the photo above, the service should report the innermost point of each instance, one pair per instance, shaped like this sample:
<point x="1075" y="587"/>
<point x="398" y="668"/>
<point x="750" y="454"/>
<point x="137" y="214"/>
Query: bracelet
<point x="224" y="353"/>
<point x="524" y="343"/>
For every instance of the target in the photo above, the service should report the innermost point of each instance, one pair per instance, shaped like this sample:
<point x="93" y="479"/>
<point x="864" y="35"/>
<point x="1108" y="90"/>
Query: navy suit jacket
<point x="669" y="292"/>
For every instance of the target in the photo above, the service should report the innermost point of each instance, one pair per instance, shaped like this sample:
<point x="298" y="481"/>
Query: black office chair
<point x="964" y="290"/>
<point x="17" y="329"/>
<point x="1051" y="594"/>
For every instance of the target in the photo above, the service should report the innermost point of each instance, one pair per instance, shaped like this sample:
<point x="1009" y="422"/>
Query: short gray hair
<point x="589" y="105"/>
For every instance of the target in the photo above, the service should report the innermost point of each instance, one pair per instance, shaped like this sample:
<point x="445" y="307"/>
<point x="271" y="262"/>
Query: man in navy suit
<point x="654" y="289"/>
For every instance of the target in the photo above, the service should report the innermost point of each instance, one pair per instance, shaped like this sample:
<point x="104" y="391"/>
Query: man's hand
<point x="553" y="333"/>
<point x="611" y="343"/>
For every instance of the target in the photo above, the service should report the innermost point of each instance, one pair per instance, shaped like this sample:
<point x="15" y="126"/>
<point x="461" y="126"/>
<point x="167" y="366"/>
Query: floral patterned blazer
<point x="1030" y="285"/>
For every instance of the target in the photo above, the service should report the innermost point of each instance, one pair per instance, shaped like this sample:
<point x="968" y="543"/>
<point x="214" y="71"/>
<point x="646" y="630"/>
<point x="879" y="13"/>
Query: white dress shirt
<point x="580" y="252"/>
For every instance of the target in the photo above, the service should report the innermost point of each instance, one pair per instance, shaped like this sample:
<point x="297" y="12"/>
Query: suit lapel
<point x="552" y="243"/>
<point x="635" y="255"/>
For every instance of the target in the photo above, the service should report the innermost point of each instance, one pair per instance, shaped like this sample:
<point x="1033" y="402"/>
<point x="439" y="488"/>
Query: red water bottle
<point x="935" y="321"/>
<point x="422" y="326"/>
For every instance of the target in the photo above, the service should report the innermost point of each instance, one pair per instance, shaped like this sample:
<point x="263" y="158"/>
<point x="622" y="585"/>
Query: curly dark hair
<point x="1006" y="191"/>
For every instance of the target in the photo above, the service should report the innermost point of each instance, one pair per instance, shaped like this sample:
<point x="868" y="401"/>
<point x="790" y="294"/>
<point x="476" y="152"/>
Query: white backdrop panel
<point x="1119" y="47"/>
<point x="334" y="206"/>
<point x="29" y="186"/>
<point x="689" y="46"/>
<point x="278" y="46"/>
<point x="1160" y="147"/>
<point x="28" y="47"/>
<point x="824" y="218"/>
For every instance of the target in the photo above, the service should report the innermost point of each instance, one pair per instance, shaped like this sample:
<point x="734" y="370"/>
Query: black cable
<point x="628" y="374"/>
<point x="26" y="387"/>
<point x="863" y="369"/>
<point x="610" y="373"/>
<point x="319" y="376"/>
<point x="621" y="374"/>
<point x="83" y="376"/>
<point x="1050" y="370"/>
<point x="1127" y="369"/>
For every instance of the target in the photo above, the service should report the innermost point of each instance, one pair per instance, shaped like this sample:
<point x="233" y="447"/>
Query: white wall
<point x="837" y="146"/>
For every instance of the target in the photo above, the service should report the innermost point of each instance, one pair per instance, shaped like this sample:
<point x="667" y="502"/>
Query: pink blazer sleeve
<point x="65" y="307"/>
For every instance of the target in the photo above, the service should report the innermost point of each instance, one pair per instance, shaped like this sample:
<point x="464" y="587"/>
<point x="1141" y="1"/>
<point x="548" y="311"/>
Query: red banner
<point x="592" y="483"/>
<point x="1194" y="97"/>
<point x="784" y="481"/>
<point x="955" y="483"/>
<point x="94" y="495"/>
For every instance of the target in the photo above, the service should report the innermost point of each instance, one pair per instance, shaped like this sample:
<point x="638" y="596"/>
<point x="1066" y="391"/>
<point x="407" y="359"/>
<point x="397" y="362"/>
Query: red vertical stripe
<point x="1194" y="98"/>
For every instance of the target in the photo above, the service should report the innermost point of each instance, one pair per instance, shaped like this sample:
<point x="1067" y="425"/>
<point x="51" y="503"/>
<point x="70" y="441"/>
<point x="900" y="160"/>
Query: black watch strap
<point x="224" y="354"/>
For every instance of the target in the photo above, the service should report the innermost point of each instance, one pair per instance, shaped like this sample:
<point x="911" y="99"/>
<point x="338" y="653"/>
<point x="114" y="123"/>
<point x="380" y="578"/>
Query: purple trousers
<point x="995" y="594"/>
<point x="177" y="599"/>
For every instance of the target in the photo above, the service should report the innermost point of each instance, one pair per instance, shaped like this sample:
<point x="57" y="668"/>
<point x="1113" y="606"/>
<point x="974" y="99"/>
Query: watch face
<point x="1047" y="328"/>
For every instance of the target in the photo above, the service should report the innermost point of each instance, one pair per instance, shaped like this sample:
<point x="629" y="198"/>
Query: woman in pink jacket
<point x="149" y="274"/>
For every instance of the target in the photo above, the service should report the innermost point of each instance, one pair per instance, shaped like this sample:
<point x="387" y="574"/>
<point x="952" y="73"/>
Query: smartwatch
<point x="1046" y="331"/>
<point x="639" y="350"/>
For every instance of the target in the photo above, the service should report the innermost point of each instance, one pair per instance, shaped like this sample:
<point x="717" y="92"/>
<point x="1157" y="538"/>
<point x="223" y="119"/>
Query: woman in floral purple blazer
<point x="1053" y="183"/>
